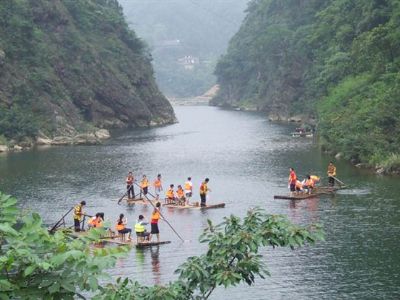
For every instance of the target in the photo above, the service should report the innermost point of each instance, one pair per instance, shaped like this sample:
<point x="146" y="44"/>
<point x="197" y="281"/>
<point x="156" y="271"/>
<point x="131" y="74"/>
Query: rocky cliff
<point x="71" y="66"/>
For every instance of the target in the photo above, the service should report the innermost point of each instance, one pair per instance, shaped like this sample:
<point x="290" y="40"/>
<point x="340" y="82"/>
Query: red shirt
<point x="292" y="177"/>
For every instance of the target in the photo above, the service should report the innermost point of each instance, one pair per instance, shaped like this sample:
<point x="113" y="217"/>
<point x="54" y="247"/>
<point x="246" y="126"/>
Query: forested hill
<point x="67" y="66"/>
<point x="337" y="61"/>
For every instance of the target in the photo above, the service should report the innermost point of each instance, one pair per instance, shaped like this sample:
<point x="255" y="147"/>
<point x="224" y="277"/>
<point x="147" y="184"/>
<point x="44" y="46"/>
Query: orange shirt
<point x="292" y="177"/>
<point x="144" y="183"/>
<point x="157" y="183"/>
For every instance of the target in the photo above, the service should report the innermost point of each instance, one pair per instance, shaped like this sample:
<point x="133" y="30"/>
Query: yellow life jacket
<point x="78" y="212"/>
<point x="139" y="227"/>
<point x="170" y="194"/>
<point x="203" y="188"/>
<point x="144" y="183"/>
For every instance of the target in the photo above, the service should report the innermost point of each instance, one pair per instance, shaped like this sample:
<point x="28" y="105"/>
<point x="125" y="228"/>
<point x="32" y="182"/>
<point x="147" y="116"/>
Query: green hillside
<point x="67" y="66"/>
<point x="337" y="61"/>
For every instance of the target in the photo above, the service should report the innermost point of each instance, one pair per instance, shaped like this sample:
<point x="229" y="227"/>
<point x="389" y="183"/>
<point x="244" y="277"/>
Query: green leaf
<point x="29" y="270"/>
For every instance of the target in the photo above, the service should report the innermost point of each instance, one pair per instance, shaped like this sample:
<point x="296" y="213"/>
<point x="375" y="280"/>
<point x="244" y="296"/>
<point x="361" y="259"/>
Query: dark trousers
<point x="130" y="191"/>
<point x="77" y="225"/>
<point x="331" y="181"/>
<point x="203" y="198"/>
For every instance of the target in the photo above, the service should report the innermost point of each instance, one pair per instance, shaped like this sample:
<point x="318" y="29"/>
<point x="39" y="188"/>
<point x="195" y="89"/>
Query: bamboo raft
<point x="135" y="243"/>
<point x="117" y="240"/>
<point x="140" y="201"/>
<point x="196" y="206"/>
<point x="323" y="190"/>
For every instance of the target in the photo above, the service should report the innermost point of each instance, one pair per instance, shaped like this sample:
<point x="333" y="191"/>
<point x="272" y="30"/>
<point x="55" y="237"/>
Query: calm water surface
<point x="247" y="160"/>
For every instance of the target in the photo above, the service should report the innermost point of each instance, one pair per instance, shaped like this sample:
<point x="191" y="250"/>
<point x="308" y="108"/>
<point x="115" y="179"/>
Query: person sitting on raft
<point x="140" y="229"/>
<point x="170" y="195"/>
<point x="309" y="184"/>
<point x="96" y="221"/>
<point x="180" y="195"/>
<point x="121" y="227"/>
<point x="298" y="187"/>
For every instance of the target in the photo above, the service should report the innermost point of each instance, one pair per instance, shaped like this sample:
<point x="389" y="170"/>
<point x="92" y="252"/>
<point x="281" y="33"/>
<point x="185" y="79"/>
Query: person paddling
<point x="331" y="174"/>
<point x="155" y="216"/>
<point x="203" y="191"/>
<point x="292" y="180"/>
<point x="78" y="215"/>
<point x="129" y="185"/>
<point x="144" y="185"/>
<point x="188" y="189"/>
<point x="158" y="186"/>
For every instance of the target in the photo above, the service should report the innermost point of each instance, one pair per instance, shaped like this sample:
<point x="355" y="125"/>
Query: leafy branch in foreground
<point x="233" y="257"/>
<point x="37" y="265"/>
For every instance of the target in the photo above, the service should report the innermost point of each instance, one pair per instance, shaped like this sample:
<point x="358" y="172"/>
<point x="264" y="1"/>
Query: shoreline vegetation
<point x="69" y="70"/>
<point x="336" y="62"/>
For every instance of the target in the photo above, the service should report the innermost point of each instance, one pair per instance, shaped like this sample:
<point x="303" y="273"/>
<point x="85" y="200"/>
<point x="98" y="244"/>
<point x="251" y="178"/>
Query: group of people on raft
<point x="181" y="196"/>
<point x="309" y="183"/>
<point x="121" y="224"/>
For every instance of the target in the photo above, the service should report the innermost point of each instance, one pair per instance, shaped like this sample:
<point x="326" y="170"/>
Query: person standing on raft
<point x="129" y="186"/>
<point x="203" y="192"/>
<point x="331" y="174"/>
<point x="144" y="185"/>
<point x="188" y="189"/>
<point x="292" y="180"/>
<point x="78" y="214"/>
<point x="158" y="186"/>
<point x="155" y="216"/>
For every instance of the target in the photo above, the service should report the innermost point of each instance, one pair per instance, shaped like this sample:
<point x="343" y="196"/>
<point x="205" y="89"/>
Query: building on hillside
<point x="189" y="61"/>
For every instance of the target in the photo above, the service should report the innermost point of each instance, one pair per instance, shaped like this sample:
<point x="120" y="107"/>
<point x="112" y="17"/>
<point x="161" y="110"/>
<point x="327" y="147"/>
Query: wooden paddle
<point x="123" y="196"/>
<point x="161" y="214"/>
<point x="340" y="182"/>
<point x="60" y="221"/>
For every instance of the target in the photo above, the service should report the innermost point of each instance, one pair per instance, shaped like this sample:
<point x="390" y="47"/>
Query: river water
<point x="247" y="160"/>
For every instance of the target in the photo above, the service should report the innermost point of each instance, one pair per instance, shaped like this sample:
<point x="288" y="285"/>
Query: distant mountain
<point x="68" y="66"/>
<point x="180" y="28"/>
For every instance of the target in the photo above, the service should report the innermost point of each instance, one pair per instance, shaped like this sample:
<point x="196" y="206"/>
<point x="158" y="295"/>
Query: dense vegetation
<point x="37" y="265"/>
<point x="68" y="65"/>
<point x="203" y="29"/>
<point x="337" y="61"/>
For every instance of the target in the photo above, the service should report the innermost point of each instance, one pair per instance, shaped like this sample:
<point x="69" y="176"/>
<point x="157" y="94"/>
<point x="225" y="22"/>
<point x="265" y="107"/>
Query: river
<point x="247" y="160"/>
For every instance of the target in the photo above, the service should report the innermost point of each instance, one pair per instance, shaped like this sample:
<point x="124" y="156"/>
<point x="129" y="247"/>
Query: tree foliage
<point x="35" y="264"/>
<point x="337" y="60"/>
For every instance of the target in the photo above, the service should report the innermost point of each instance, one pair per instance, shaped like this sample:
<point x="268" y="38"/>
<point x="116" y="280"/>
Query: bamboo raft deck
<point x="135" y="243"/>
<point x="140" y="201"/>
<point x="219" y="205"/>
<point x="323" y="190"/>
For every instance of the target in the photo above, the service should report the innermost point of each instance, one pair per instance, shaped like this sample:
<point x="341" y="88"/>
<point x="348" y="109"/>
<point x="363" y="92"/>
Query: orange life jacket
<point x="155" y="216"/>
<point x="170" y="194"/>
<point x="119" y="227"/>
<point x="157" y="183"/>
<point x="188" y="186"/>
<point x="315" y="178"/>
<point x="180" y="193"/>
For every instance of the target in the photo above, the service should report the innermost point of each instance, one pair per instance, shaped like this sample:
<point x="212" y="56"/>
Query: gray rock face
<point x="3" y="148"/>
